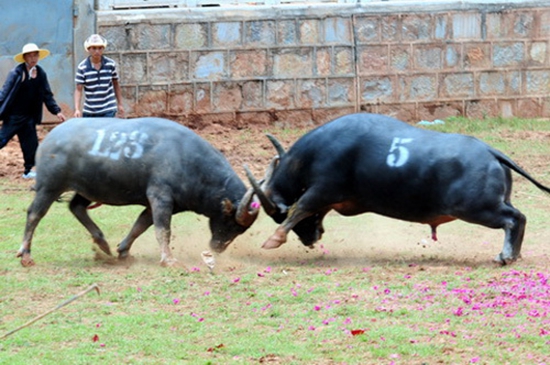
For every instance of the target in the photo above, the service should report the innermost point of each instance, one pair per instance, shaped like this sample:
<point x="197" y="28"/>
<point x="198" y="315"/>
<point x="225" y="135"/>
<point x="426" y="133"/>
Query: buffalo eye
<point x="227" y="207"/>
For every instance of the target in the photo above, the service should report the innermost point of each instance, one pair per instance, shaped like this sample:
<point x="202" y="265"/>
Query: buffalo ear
<point x="227" y="207"/>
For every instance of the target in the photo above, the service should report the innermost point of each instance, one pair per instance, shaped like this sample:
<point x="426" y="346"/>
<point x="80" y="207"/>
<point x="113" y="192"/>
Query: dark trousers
<point x="25" y="128"/>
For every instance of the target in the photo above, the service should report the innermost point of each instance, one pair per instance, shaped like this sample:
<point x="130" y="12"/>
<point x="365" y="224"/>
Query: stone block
<point x="529" y="108"/>
<point x="372" y="108"/>
<point x="322" y="116"/>
<point x="507" y="108"/>
<point x="209" y="65"/>
<point x="203" y="98"/>
<point x="226" y="34"/>
<point x="508" y="54"/>
<point x="372" y="59"/>
<point x="260" y="33"/>
<point x="280" y="94"/>
<point x="453" y="56"/>
<point x="312" y="93"/>
<point x="116" y="36"/>
<point x="168" y="67"/>
<point x="256" y="118"/>
<point x="466" y="25"/>
<point x="537" y="82"/>
<point x="545" y="105"/>
<point x="428" y="57"/>
<point x="441" y="27"/>
<point x="416" y="27"/>
<point x="418" y="87"/>
<point x="538" y="53"/>
<point x="400" y="58"/>
<point x="293" y="62"/>
<point x="524" y="24"/>
<point x="366" y="29"/>
<point x="341" y="91"/>
<point x="133" y="69"/>
<point x="343" y="61"/>
<point x="309" y="31"/>
<point x="492" y="83"/>
<point x="477" y="55"/>
<point x="405" y="112"/>
<point x="152" y="101"/>
<point x="323" y="64"/>
<point x="544" y="23"/>
<point x="253" y="95"/>
<point x="208" y="120"/>
<point x="453" y="85"/>
<point x="226" y="96"/>
<point x="514" y="82"/>
<point x="191" y="36"/>
<point x="180" y="99"/>
<point x="337" y="30"/>
<point x="376" y="89"/>
<point x="390" y="28"/>
<point x="248" y="63"/>
<point x="293" y="119"/>
<point x="129" y="100"/>
<point x="146" y="36"/>
<point x="438" y="110"/>
<point x="481" y="108"/>
<point x="287" y="32"/>
<point x="496" y="26"/>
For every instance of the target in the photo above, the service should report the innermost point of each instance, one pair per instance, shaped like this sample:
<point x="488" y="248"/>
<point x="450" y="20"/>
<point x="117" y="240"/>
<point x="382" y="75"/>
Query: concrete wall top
<point x="244" y="12"/>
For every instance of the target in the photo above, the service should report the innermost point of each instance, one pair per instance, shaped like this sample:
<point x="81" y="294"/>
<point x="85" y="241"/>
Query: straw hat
<point x="28" y="48"/>
<point x="95" y="40"/>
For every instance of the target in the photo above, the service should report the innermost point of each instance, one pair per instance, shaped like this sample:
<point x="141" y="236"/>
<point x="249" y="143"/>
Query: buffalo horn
<point x="246" y="214"/>
<point x="268" y="205"/>
<point x="269" y="172"/>
<point x="277" y="145"/>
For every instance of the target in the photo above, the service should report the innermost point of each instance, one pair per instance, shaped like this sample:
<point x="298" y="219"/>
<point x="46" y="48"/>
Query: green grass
<point x="442" y="304"/>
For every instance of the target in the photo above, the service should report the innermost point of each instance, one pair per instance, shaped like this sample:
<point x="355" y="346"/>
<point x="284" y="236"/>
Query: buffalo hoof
<point x="275" y="241"/>
<point x="271" y="244"/>
<point x="123" y="255"/>
<point x="170" y="262"/>
<point x="503" y="261"/>
<point x="26" y="260"/>
<point x="104" y="247"/>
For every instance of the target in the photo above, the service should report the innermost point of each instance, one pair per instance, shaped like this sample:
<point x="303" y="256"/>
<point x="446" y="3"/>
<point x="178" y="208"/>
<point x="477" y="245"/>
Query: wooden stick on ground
<point x="92" y="287"/>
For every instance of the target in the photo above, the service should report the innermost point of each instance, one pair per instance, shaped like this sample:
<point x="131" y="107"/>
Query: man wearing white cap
<point x="97" y="77"/>
<point x="25" y="91"/>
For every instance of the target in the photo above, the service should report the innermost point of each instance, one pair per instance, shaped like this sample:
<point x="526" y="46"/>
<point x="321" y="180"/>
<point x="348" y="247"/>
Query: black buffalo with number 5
<point x="152" y="162"/>
<point x="373" y="163"/>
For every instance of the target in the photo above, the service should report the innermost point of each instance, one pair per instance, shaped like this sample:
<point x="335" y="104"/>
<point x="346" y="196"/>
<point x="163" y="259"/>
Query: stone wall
<point x="310" y="63"/>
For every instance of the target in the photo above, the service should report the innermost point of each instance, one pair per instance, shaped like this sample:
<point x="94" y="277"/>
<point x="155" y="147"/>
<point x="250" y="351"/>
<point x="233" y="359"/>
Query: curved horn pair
<point x="246" y="211"/>
<point x="269" y="207"/>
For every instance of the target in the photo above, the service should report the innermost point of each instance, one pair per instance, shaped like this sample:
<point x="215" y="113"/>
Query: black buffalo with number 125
<point x="152" y="162"/>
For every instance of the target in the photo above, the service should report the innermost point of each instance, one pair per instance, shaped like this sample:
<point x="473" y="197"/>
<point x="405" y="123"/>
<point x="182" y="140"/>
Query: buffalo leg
<point x="144" y="221"/>
<point x="78" y="207"/>
<point x="508" y="218"/>
<point x="298" y="212"/>
<point x="513" y="239"/>
<point x="37" y="210"/>
<point x="161" y="209"/>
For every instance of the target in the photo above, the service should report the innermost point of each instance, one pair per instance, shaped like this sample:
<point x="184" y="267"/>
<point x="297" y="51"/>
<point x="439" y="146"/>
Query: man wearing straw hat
<point x="25" y="91"/>
<point x="97" y="77"/>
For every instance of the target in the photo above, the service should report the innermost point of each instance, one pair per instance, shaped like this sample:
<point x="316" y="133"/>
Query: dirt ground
<point x="354" y="241"/>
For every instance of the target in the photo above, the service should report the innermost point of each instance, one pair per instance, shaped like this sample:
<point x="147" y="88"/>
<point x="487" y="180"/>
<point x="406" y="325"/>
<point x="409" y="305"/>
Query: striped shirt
<point x="99" y="92"/>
